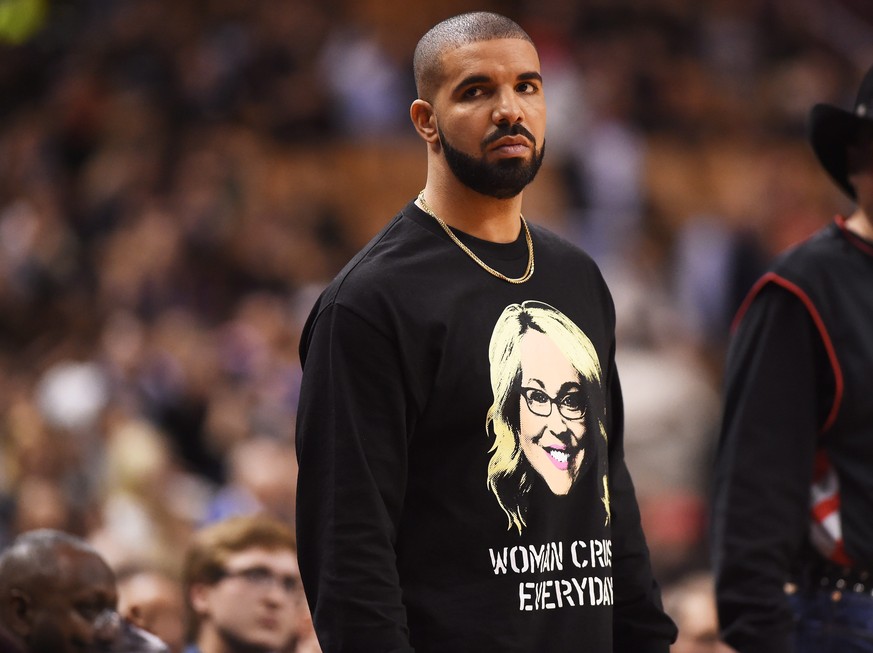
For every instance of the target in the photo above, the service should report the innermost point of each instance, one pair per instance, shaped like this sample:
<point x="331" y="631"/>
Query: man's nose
<point x="107" y="626"/>
<point x="508" y="108"/>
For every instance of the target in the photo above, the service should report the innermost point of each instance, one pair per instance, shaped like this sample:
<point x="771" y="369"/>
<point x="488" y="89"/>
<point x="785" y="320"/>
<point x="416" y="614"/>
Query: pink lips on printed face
<point x="559" y="456"/>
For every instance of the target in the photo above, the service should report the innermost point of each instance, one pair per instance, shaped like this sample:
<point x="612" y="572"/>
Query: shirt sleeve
<point x="351" y="448"/>
<point x="640" y="624"/>
<point x="764" y="466"/>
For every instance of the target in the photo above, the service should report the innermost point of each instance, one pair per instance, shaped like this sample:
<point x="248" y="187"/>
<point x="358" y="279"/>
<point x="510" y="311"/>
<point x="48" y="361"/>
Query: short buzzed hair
<point x="453" y="33"/>
<point x="33" y="557"/>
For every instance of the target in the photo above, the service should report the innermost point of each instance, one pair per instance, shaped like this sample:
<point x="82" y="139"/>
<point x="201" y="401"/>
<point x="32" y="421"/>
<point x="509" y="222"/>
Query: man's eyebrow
<point x="483" y="79"/>
<point x="470" y="80"/>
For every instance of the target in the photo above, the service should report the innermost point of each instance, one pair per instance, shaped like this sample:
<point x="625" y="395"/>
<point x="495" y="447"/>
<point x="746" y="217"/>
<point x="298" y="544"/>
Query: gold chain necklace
<point x="528" y="273"/>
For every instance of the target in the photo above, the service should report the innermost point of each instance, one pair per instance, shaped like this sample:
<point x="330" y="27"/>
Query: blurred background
<point x="180" y="178"/>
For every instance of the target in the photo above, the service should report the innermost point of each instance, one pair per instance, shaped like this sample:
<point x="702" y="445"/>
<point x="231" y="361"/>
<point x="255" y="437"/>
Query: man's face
<point x="155" y="603"/>
<point x="551" y="412"/>
<point x="258" y="605"/>
<point x="76" y="613"/>
<point x="491" y="115"/>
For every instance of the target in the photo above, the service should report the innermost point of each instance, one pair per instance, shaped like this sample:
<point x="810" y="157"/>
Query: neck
<point x="479" y="215"/>
<point x="210" y="640"/>
<point x="10" y="642"/>
<point x="860" y="223"/>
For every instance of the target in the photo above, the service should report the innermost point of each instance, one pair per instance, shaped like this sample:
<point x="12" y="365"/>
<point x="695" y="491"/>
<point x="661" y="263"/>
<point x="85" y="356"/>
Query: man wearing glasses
<point x="242" y="587"/>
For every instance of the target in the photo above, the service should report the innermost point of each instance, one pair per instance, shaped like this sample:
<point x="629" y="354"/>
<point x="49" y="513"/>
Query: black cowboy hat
<point x="832" y="130"/>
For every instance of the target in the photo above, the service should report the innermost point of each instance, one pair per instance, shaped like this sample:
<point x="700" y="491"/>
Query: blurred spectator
<point x="150" y="506"/>
<point x="606" y="151"/>
<point x="152" y="598"/>
<point x="243" y="588"/>
<point x="263" y="478"/>
<point x="671" y="408"/>
<point x="57" y="595"/>
<point x="690" y="600"/>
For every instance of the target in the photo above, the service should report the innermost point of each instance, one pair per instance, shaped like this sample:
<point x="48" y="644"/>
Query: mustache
<point x="509" y="130"/>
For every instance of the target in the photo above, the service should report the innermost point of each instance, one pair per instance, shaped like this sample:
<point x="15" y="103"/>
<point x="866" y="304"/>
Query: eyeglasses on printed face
<point x="569" y="403"/>
<point x="264" y="578"/>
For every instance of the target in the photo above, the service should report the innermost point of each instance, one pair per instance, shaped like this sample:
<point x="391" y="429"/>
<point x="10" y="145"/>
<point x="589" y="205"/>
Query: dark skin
<point x="64" y="614"/>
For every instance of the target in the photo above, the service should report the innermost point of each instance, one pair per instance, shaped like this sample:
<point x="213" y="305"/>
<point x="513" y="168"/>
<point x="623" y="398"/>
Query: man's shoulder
<point x="377" y="261"/>
<point x="552" y="247"/>
<point x="818" y="257"/>
<point x="814" y="270"/>
<point x="378" y="267"/>
<point x="825" y="244"/>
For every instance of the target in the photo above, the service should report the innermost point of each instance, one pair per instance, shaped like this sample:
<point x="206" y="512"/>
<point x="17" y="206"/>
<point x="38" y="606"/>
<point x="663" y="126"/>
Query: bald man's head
<point x="454" y="33"/>
<point x="57" y="594"/>
<point x="33" y="556"/>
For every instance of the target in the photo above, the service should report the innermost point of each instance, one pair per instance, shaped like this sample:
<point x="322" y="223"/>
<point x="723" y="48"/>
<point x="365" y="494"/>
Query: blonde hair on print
<point x="508" y="476"/>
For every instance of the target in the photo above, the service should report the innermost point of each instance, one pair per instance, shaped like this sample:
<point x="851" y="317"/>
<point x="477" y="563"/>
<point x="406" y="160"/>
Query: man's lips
<point x="270" y="622"/>
<point x="511" y="145"/>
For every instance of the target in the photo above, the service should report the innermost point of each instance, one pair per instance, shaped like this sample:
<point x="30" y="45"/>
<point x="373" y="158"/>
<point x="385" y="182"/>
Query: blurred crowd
<point x="179" y="179"/>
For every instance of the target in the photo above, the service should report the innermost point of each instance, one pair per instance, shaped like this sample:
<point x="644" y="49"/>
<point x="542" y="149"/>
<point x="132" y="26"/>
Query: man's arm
<point x="764" y="469"/>
<point x="351" y="447"/>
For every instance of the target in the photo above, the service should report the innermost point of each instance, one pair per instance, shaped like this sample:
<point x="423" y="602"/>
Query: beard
<point x="505" y="178"/>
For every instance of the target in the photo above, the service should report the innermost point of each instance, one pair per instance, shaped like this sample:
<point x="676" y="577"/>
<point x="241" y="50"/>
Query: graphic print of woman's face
<point x="551" y="412"/>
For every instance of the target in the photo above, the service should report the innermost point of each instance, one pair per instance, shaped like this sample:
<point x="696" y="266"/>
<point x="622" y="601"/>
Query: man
<point x="57" y="595"/>
<point x="793" y="511"/>
<point x="152" y="598"/>
<point x="402" y="545"/>
<point x="243" y="587"/>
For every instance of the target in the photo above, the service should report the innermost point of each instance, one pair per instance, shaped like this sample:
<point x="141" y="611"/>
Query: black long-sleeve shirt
<point x="402" y="545"/>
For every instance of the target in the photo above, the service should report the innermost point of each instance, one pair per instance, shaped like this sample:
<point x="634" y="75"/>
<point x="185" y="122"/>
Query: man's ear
<point x="198" y="595"/>
<point x="134" y="614"/>
<point x="424" y="120"/>
<point x="19" y="612"/>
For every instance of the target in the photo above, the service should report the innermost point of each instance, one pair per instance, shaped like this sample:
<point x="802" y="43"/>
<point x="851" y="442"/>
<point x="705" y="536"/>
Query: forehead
<point x="279" y="560"/>
<point x="535" y="343"/>
<point x="541" y="355"/>
<point x="495" y="58"/>
<point x="149" y="587"/>
<point x="83" y="572"/>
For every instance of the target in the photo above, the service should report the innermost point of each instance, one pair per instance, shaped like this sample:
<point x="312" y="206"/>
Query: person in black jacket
<point x="402" y="545"/>
<point x="793" y="502"/>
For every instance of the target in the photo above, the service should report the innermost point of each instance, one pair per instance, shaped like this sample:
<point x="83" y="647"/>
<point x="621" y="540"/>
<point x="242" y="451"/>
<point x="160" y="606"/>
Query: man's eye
<point x="90" y="611"/>
<point x="473" y="91"/>
<point x="257" y="575"/>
